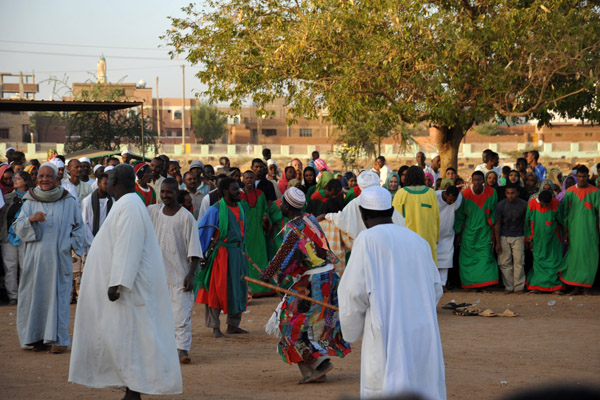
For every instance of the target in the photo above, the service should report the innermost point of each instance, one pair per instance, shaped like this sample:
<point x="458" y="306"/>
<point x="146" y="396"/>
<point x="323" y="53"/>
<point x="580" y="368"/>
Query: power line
<point x="79" y="55"/>
<point x="81" y="45"/>
<point x="111" y="69"/>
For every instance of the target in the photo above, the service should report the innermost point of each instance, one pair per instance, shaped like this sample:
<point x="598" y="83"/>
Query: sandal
<point x="488" y="313"/>
<point x="509" y="313"/>
<point x="467" y="311"/>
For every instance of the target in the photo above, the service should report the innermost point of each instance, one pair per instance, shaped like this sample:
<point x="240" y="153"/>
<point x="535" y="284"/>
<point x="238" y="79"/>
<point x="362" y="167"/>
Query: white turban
<point x="85" y="159"/>
<point x="294" y="197"/>
<point x="96" y="167"/>
<point x="52" y="165"/>
<point x="375" y="198"/>
<point x="367" y="179"/>
<point x="108" y="168"/>
<point x="57" y="162"/>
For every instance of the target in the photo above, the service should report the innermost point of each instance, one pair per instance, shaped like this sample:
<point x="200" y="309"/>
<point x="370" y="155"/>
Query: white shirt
<point x="383" y="174"/>
<point x="87" y="213"/>
<point x="178" y="239"/>
<point x="445" y="247"/>
<point x="388" y="295"/>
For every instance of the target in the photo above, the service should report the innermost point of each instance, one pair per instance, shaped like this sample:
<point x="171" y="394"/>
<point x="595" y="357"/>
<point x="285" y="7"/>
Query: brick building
<point x="14" y="126"/>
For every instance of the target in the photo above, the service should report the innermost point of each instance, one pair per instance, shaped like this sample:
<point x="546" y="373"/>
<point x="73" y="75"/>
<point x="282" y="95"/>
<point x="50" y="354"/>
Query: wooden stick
<point x="252" y="262"/>
<point x="291" y="293"/>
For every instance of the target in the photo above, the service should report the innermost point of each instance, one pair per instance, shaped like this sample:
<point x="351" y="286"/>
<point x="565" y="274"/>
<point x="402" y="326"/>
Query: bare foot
<point x="507" y="291"/>
<point x="234" y="330"/>
<point x="217" y="333"/>
<point x="575" y="292"/>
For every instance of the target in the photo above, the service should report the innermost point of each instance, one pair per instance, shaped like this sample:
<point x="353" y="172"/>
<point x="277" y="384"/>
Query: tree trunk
<point x="448" y="142"/>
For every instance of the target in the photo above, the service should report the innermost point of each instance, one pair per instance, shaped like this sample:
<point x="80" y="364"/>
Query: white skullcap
<point x="57" y="162"/>
<point x="174" y="160"/>
<point x="295" y="197"/>
<point x="367" y="179"/>
<point x="375" y="198"/>
<point x="10" y="148"/>
<point x="434" y="155"/>
<point x="51" y="165"/>
<point x="271" y="162"/>
<point x="125" y="152"/>
<point x="108" y="168"/>
<point x="85" y="159"/>
<point x="97" y="167"/>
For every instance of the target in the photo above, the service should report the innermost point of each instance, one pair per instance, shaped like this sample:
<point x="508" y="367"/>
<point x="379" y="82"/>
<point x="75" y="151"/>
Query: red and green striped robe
<point x="352" y="194"/>
<point x="541" y="228"/>
<point x="475" y="220"/>
<point x="579" y="210"/>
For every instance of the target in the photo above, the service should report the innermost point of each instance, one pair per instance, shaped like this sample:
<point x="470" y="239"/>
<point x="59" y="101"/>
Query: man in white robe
<point x="348" y="220"/>
<point x="50" y="227"/>
<point x="177" y="234"/>
<point x="388" y="295"/>
<point x="124" y="335"/>
<point x="449" y="201"/>
<point x="94" y="209"/>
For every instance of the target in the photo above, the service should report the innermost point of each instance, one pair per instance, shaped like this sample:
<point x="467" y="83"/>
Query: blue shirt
<point x="540" y="171"/>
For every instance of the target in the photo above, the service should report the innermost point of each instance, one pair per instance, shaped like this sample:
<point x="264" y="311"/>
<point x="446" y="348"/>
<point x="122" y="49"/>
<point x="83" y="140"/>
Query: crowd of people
<point x="150" y="240"/>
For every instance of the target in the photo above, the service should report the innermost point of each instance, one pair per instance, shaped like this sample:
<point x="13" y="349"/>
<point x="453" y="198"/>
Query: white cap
<point x="367" y="179"/>
<point x="51" y="165"/>
<point x="85" y="159"/>
<point x="10" y="148"/>
<point x="58" y="162"/>
<point x="108" y="168"/>
<point x="174" y="160"/>
<point x="125" y="152"/>
<point x="375" y="198"/>
<point x="434" y="155"/>
<point x="97" y="167"/>
<point x="294" y="197"/>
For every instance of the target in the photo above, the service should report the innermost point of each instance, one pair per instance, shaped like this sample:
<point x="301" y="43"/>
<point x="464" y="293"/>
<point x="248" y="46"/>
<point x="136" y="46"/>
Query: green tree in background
<point x="450" y="63"/>
<point x="103" y="130"/>
<point x="209" y="124"/>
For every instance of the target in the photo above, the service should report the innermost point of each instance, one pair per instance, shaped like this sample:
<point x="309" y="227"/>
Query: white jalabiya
<point x="388" y="295"/>
<point x="129" y="342"/>
<point x="445" y="247"/>
<point x="349" y="220"/>
<point x="87" y="211"/>
<point x="179" y="241"/>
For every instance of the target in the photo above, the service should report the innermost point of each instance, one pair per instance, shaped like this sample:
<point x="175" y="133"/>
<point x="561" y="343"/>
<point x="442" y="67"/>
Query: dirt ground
<point x="486" y="358"/>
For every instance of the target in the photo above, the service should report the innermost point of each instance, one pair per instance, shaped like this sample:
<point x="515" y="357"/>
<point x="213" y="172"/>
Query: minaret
<point x="102" y="70"/>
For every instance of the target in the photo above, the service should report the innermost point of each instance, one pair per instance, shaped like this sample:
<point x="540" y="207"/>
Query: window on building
<point x="25" y="128"/>
<point x="236" y="120"/>
<point x="589" y="134"/>
<point x="177" y="114"/>
<point x="269" y="132"/>
<point x="169" y="133"/>
<point x="246" y="120"/>
<point x="3" y="133"/>
<point x="558" y="134"/>
<point x="305" y="132"/>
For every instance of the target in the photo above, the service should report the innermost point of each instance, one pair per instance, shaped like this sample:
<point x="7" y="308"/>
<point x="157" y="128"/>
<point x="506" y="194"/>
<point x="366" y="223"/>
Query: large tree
<point x="209" y="124"/>
<point x="451" y="63"/>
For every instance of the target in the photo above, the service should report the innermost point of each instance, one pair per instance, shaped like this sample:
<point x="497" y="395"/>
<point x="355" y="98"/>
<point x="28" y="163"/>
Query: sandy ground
<point x="545" y="344"/>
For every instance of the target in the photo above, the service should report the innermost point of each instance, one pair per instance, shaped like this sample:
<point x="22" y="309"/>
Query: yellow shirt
<point x="419" y="207"/>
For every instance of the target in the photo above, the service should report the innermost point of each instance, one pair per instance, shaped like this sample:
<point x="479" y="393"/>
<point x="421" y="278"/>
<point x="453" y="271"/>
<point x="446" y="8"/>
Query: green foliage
<point x="451" y="63"/>
<point x="103" y="130"/>
<point x="209" y="123"/>
<point x="488" y="129"/>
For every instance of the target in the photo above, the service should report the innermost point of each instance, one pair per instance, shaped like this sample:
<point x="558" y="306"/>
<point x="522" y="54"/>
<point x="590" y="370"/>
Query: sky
<point x="65" y="39"/>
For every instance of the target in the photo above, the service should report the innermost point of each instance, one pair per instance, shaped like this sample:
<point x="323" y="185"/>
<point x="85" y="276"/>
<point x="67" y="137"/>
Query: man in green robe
<point x="541" y="234"/>
<point x="579" y="210"/>
<point x="255" y="205"/>
<point x="473" y="224"/>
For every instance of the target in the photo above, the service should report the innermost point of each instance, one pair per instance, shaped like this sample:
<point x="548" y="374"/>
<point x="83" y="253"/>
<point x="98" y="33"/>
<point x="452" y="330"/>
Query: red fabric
<point x="478" y="199"/>
<point x="216" y="297"/>
<point x="282" y="184"/>
<point x="580" y="192"/>
<point x="250" y="197"/>
<point x="534" y="205"/>
<point x="318" y="196"/>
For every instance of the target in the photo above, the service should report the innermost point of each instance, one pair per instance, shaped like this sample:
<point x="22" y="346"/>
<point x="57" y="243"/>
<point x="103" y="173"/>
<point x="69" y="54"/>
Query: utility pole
<point x="183" y="104"/>
<point x="157" y="110"/>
